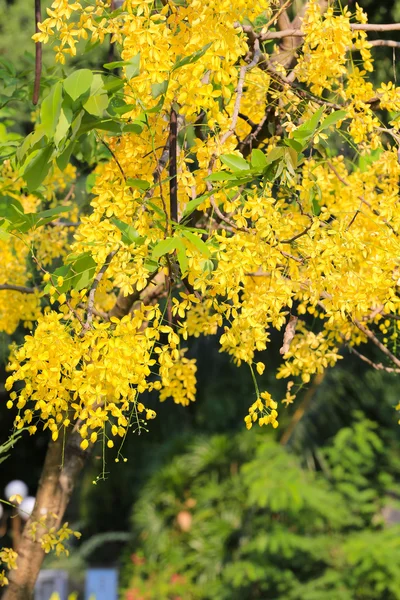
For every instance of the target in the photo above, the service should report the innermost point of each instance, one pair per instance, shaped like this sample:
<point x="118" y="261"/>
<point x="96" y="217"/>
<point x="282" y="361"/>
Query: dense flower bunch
<point x="263" y="229"/>
<point x="8" y="558"/>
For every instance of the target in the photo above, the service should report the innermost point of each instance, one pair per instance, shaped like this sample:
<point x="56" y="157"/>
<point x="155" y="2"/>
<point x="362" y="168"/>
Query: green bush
<point x="238" y="517"/>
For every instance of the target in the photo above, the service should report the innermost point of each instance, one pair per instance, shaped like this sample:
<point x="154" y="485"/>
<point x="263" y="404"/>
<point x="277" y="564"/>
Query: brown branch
<point x="281" y="17"/>
<point x="290" y="32"/>
<point x="371" y="336"/>
<point x="124" y="304"/>
<point x="17" y="288"/>
<point x="239" y="91"/>
<point x="389" y="43"/>
<point x="297" y="236"/>
<point x="374" y="27"/>
<point x="38" y="55"/>
<point x="290" y="332"/>
<point x="92" y="293"/>
<point x="376" y="366"/>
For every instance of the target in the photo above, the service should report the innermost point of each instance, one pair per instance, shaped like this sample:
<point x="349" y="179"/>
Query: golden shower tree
<point x="220" y="205"/>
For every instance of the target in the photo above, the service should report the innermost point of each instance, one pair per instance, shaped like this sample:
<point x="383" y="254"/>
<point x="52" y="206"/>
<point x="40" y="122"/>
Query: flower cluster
<point x="51" y="538"/>
<point x="264" y="411"/>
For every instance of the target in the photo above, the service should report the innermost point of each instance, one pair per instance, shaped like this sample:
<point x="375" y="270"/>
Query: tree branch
<point x="371" y="336"/>
<point x="92" y="293"/>
<point x="17" y="288"/>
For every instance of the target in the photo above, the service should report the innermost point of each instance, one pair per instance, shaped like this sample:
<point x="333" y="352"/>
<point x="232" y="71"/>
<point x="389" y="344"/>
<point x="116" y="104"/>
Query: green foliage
<point x="238" y="517"/>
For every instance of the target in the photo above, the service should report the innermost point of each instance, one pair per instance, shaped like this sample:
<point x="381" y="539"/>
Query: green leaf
<point x="193" y="204"/>
<point x="258" y="159"/>
<point x="63" y="124"/>
<point x="78" y="83"/>
<point x="133" y="67"/>
<point x="192" y="58"/>
<point x="294" y="144"/>
<point x="333" y="118"/>
<point x="62" y="159"/>
<point x="135" y="127"/>
<point x="113" y="84"/>
<point x="163" y="247"/>
<point x="158" y="89"/>
<point x="98" y="100"/>
<point x="4" y="235"/>
<point x="366" y="160"/>
<point x="151" y="265"/>
<point x="32" y="142"/>
<point x="90" y="182"/>
<point x="140" y="184"/>
<point x="12" y="212"/>
<point x="221" y="176"/>
<point x="308" y="128"/>
<point x="157" y="108"/>
<point x="83" y="270"/>
<point x="316" y="208"/>
<point x="36" y="170"/>
<point x="196" y="241"/>
<point x="129" y="234"/>
<point x="96" y="105"/>
<point x="50" y="110"/>
<point x="234" y="162"/>
<point x="11" y="209"/>
<point x="157" y="209"/>
<point x="275" y="154"/>
<point x="181" y="255"/>
<point x="116" y="64"/>
<point x="77" y="274"/>
<point x="46" y="216"/>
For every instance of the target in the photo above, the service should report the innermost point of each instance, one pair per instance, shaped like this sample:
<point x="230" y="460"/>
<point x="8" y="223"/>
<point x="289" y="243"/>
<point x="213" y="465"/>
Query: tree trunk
<point x="60" y="473"/>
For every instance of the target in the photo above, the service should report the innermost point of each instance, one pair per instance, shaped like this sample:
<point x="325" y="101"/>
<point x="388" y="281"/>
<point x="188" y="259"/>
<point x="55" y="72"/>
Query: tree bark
<point x="59" y="475"/>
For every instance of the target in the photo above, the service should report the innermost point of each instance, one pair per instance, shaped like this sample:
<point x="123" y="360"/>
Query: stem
<point x="173" y="183"/>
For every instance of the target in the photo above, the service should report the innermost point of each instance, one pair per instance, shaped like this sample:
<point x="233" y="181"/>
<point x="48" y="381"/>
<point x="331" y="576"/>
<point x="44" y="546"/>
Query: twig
<point x="376" y="366"/>
<point x="221" y="216"/>
<point x="231" y="130"/>
<point x="297" y="236"/>
<point x="389" y="43"/>
<point x="17" y="288"/>
<point x="114" y="156"/>
<point x="239" y="91"/>
<point x="282" y="10"/>
<point x="371" y="336"/>
<point x="278" y="35"/>
<point x="38" y="55"/>
<point x="374" y="27"/>
<point x="173" y="182"/>
<point x="248" y="120"/>
<point x="92" y="293"/>
<point x="362" y="199"/>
